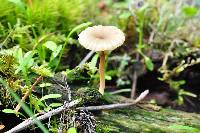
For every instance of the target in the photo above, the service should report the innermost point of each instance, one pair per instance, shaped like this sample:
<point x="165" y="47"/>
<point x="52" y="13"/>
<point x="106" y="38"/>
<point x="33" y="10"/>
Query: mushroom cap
<point x="101" y="38"/>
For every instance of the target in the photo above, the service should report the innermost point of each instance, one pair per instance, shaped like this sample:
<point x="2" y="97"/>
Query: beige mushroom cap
<point x="101" y="38"/>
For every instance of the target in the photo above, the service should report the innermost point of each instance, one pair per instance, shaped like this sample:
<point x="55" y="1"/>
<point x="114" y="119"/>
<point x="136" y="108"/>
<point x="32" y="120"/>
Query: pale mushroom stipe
<point x="100" y="39"/>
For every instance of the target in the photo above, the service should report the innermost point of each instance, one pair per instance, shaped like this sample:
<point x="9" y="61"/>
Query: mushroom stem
<point x="101" y="72"/>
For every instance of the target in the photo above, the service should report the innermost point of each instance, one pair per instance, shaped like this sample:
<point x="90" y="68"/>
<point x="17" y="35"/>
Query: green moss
<point x="89" y="96"/>
<point x="7" y="66"/>
<point x="80" y="75"/>
<point x="140" y="120"/>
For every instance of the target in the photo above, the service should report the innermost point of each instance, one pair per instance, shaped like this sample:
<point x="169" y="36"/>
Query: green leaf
<point x="9" y="111"/>
<point x="18" y="55"/>
<point x="182" y="92"/>
<point x="47" y="109"/>
<point x="181" y="82"/>
<point x="42" y="70"/>
<point x="108" y="77"/>
<point x="28" y="59"/>
<point x="180" y="100"/>
<point x="79" y="27"/>
<point x="39" y="104"/>
<point x="18" y="3"/>
<point x="50" y="96"/>
<point x="72" y="130"/>
<point x="94" y="60"/>
<point x="190" y="11"/>
<point x="125" y="15"/>
<point x="45" y="85"/>
<point x="148" y="63"/>
<point x="50" y="45"/>
<point x="179" y="69"/>
<point x="56" y="52"/>
<point x="55" y="105"/>
<point x="25" y="61"/>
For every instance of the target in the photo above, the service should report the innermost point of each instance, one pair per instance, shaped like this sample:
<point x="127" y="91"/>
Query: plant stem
<point x="27" y="93"/>
<point x="101" y="72"/>
<point x="134" y="80"/>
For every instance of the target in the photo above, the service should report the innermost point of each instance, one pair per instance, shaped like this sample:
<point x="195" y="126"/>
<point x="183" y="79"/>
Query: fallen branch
<point x="107" y="107"/>
<point x="25" y="124"/>
<point x="27" y="93"/>
<point x="117" y="105"/>
<point x="120" y="91"/>
<point x="87" y="57"/>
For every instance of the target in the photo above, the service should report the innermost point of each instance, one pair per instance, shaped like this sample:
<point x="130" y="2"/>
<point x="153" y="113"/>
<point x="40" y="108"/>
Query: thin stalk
<point x="27" y="93"/>
<point x="139" y="50"/>
<point x="134" y="79"/>
<point x="5" y="40"/>
<point x="141" y="34"/>
<point x="101" y="72"/>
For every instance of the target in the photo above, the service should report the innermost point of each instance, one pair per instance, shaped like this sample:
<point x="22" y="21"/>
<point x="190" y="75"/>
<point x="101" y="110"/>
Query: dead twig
<point x="87" y="57"/>
<point x="120" y="91"/>
<point x="117" y="105"/>
<point x="27" y="93"/>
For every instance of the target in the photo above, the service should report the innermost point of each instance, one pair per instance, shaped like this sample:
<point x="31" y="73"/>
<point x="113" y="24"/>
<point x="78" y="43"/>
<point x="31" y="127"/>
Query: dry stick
<point x="87" y="57"/>
<point x="25" y="124"/>
<point x="101" y="72"/>
<point x="134" y="79"/>
<point x="117" y="105"/>
<point x="27" y="93"/>
<point x="167" y="55"/>
<point x="120" y="91"/>
<point x="165" y="60"/>
<point x="107" y="107"/>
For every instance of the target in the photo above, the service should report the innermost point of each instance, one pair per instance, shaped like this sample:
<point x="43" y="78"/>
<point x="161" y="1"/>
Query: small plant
<point x="168" y="76"/>
<point x="139" y="12"/>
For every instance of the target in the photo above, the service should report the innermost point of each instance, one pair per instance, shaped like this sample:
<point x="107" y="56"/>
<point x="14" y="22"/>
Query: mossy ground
<point x="138" y="120"/>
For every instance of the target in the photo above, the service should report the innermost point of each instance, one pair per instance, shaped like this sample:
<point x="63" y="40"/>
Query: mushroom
<point x="101" y="39"/>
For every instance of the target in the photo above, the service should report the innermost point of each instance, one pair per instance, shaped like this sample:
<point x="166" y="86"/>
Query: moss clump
<point x="80" y="74"/>
<point x="7" y="66"/>
<point x="90" y="96"/>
